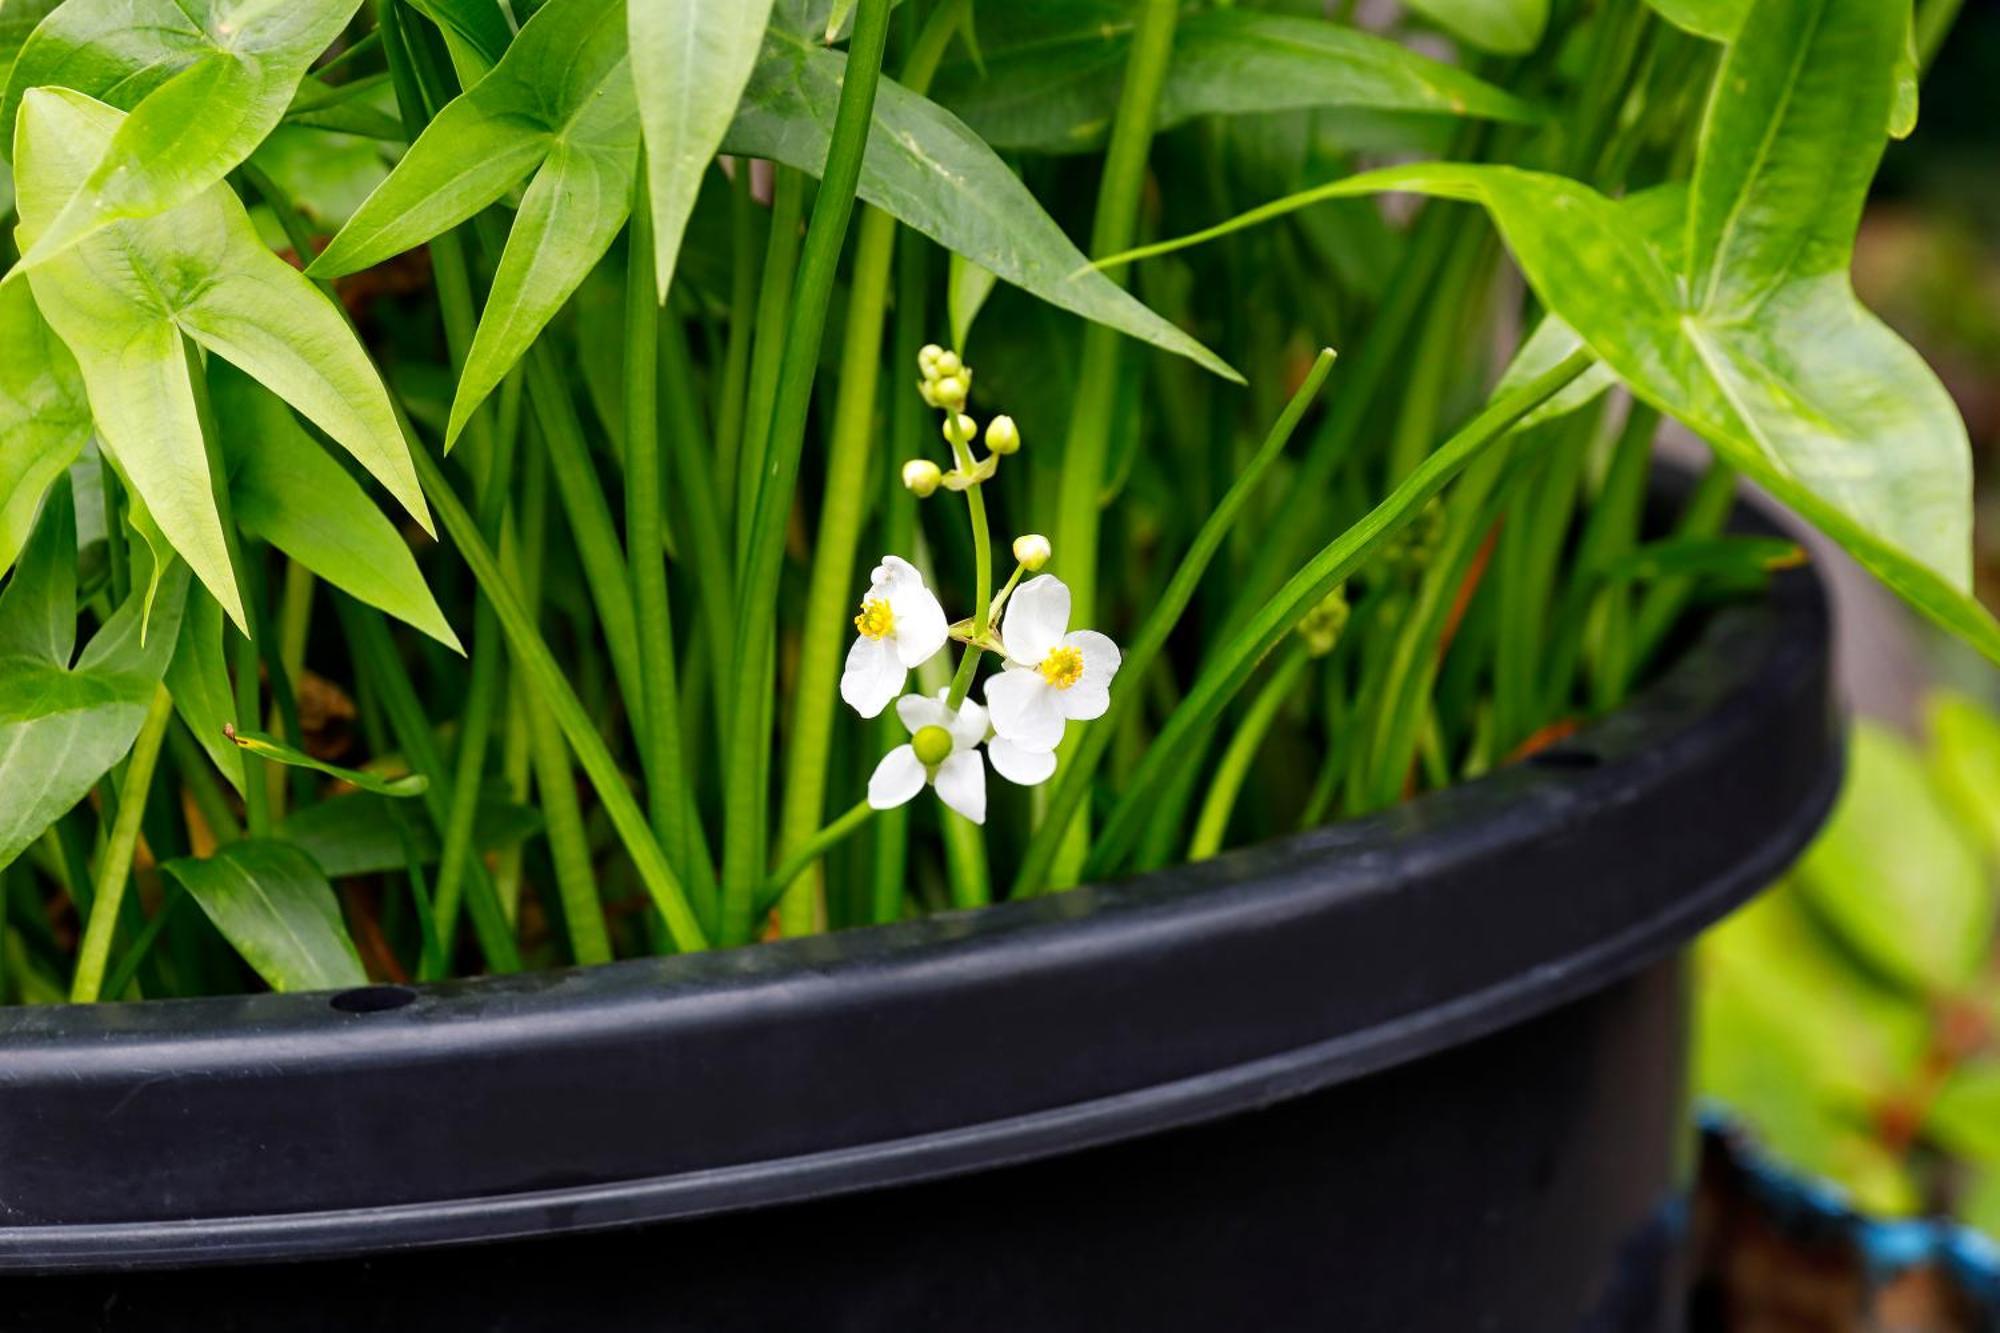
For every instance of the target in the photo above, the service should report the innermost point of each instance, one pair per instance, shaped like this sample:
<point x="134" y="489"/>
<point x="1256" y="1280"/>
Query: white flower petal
<point x="892" y="576"/>
<point x="921" y="628"/>
<point x="873" y="676"/>
<point x="896" y="779"/>
<point x="1036" y="616"/>
<point x="961" y="784"/>
<point x="1020" y="765"/>
<point x="972" y="724"/>
<point x="1091" y="695"/>
<point x="1024" y="709"/>
<point x="919" y="712"/>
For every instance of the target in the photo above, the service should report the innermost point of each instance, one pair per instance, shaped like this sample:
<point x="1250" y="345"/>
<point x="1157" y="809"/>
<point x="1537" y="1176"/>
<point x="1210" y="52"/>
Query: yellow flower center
<point x="876" y="619"/>
<point x="1063" y="667"/>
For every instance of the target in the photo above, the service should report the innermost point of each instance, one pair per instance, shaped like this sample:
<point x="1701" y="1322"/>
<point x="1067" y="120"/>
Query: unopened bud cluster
<point x="1322" y="626"/>
<point x="947" y="386"/>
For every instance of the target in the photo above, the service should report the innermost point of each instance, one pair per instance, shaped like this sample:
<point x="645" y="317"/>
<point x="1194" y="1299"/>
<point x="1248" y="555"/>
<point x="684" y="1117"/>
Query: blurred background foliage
<point x="1850" y="1019"/>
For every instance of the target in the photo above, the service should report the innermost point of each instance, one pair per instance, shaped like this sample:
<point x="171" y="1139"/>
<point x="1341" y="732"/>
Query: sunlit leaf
<point x="690" y="62"/>
<point x="276" y="909"/>
<point x="275" y="750"/>
<point x="287" y="490"/>
<point x="1965" y="760"/>
<point x="44" y="416"/>
<point x="124" y="299"/>
<point x="1051" y="73"/>
<point x="63" y="727"/>
<point x="1895" y="875"/>
<point x="937" y="177"/>
<point x="559" y="105"/>
<point x="204" y="81"/>
<point x="1964" y="1117"/>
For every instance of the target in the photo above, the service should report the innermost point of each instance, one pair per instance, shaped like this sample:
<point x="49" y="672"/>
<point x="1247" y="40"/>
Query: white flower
<point x="901" y="626"/>
<point x="1051" y="676"/>
<point x="943" y="751"/>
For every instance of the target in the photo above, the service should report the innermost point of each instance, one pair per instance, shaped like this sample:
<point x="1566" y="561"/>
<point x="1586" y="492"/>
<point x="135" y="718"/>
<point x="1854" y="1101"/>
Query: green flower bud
<point x="949" y="391"/>
<point x="960" y="428"/>
<point x="1321" y="627"/>
<point x="1002" y="435"/>
<point x="932" y="744"/>
<point x="927" y="360"/>
<point x="922" y="476"/>
<point x="947" y="363"/>
<point x="1032" y="551"/>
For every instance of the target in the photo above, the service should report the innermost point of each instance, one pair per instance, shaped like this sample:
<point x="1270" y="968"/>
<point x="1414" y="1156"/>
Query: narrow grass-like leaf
<point x="204" y="81"/>
<point x="691" y="60"/>
<point x="275" y="750"/>
<point x="44" y="415"/>
<point x="276" y="909"/>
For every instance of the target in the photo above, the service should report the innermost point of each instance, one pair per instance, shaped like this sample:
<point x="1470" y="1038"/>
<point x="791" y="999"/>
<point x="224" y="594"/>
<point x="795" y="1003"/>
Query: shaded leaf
<point x="691" y="60"/>
<point x="204" y="81"/>
<point x="123" y="299"/>
<point x="198" y="678"/>
<point x="359" y="834"/>
<point x="1504" y="27"/>
<point x="286" y="489"/>
<point x="61" y="728"/>
<point x="1894" y="874"/>
<point x="966" y="289"/>
<point x="559" y="104"/>
<point x="1052" y="69"/>
<point x="44" y="416"/>
<point x="934" y="175"/>
<point x="276" y="909"/>
<point x="275" y="750"/>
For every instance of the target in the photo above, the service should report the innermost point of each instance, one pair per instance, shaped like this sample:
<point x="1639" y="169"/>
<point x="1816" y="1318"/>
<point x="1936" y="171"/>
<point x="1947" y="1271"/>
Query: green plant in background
<point x="556" y="281"/>
<point x="1850" y="1016"/>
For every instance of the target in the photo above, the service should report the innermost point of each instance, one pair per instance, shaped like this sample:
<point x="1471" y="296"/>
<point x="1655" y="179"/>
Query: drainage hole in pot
<point x="373" y="999"/>
<point x="1566" y="759"/>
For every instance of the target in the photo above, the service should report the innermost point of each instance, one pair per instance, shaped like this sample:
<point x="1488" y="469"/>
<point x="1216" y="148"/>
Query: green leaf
<point x="62" y="728"/>
<point x="691" y="60"/>
<point x="360" y="834"/>
<point x="198" y="678"/>
<point x="1052" y="69"/>
<point x="287" y="490"/>
<point x="123" y="299"/>
<point x="1964" y="1117"/>
<point x="1504" y="27"/>
<point x="44" y="416"/>
<point x="487" y="26"/>
<point x="276" y="909"/>
<point x="204" y="81"/>
<point x="17" y="19"/>
<point x="1717" y="20"/>
<point x="270" y="747"/>
<point x="934" y="175"/>
<point x="1965" y="761"/>
<point x="559" y="105"/>
<point x="1894" y="874"/>
<point x="966" y="289"/>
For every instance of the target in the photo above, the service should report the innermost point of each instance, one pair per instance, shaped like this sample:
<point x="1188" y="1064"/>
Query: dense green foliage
<point x="459" y="430"/>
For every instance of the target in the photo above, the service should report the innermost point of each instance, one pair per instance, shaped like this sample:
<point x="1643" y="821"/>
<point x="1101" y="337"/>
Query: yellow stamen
<point x="1063" y="667"/>
<point x="876" y="620"/>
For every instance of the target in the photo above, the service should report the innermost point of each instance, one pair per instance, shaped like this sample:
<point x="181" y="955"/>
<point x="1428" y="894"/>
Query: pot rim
<point x="231" y="1129"/>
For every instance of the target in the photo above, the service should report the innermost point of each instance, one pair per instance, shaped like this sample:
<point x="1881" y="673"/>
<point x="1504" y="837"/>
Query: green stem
<point x="1234" y="767"/>
<point x="569" y="846"/>
<point x="730" y="401"/>
<point x="114" y="865"/>
<point x="818" y="844"/>
<point x="1073" y="786"/>
<point x="142" y="944"/>
<point x="545" y="675"/>
<point x="774" y="298"/>
<point x="745" y="790"/>
<point x="1234" y="662"/>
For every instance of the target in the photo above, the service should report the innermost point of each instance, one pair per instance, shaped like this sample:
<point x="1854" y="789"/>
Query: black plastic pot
<point x="1419" y="1072"/>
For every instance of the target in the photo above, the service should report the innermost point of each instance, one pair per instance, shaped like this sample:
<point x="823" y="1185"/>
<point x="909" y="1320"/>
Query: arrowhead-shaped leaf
<point x="276" y="909"/>
<point x="62" y="728"/>
<point x="287" y="490"/>
<point x="559" y="104"/>
<point x="691" y="60"/>
<point x="123" y="299"/>
<point x="204" y="81"/>
<point x="935" y="176"/>
<point x="44" y="416"/>
<point x="1050" y="70"/>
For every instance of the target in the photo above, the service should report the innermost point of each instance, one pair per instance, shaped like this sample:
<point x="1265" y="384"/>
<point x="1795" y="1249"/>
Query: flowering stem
<point x="982" y="560"/>
<point x="114" y="865"/>
<point x="809" y="851"/>
<point x="747" y="760"/>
